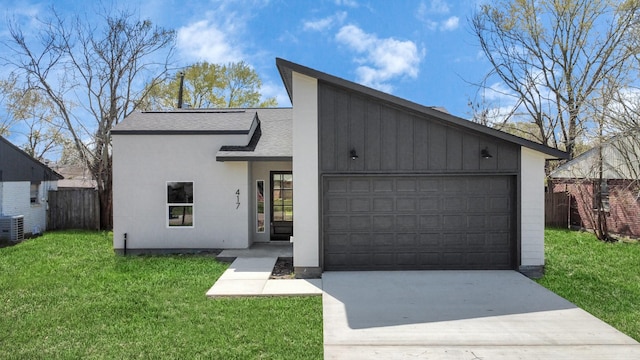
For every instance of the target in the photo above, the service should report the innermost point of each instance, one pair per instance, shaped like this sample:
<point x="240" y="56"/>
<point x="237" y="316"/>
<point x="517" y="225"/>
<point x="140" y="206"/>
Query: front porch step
<point x="249" y="276"/>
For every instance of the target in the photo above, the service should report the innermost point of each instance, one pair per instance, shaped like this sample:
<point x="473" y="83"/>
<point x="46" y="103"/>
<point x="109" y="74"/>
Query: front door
<point x="281" y="205"/>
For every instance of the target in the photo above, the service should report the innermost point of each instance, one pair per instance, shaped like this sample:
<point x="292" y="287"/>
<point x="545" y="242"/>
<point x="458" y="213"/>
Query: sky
<point x="422" y="50"/>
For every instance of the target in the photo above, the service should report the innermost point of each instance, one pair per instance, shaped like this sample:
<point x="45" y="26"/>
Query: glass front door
<point x="281" y="205"/>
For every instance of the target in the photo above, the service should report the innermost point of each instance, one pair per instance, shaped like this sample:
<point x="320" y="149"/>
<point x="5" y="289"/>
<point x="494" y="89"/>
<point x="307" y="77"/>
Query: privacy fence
<point x="74" y="209"/>
<point x="556" y="209"/>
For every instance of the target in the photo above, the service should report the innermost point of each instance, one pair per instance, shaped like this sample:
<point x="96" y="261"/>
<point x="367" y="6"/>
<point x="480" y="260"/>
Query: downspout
<point x="125" y="244"/>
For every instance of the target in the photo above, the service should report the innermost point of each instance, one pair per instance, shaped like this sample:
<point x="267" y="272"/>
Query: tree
<point x="90" y="70"/>
<point x="555" y="55"/>
<point x="234" y="85"/>
<point x="32" y="115"/>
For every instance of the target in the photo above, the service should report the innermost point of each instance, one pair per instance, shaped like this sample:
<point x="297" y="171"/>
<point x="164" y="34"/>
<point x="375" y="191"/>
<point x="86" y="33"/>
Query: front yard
<point x="602" y="278"/>
<point x="65" y="295"/>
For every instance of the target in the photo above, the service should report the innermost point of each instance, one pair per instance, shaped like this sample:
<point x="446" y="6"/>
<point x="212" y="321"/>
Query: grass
<point x="66" y="295"/>
<point x="602" y="278"/>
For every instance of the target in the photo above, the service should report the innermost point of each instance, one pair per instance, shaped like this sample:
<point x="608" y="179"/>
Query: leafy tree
<point x="89" y="70"/>
<point x="33" y="115"/>
<point x="556" y="55"/>
<point x="234" y="85"/>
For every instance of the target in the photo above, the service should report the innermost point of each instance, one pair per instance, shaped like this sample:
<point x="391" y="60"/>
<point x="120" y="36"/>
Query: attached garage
<point x="387" y="184"/>
<point x="418" y="222"/>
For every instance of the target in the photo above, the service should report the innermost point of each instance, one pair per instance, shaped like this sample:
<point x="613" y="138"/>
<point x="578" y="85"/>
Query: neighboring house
<point x="619" y="191"/>
<point x="358" y="180"/>
<point x="24" y="186"/>
<point x="75" y="177"/>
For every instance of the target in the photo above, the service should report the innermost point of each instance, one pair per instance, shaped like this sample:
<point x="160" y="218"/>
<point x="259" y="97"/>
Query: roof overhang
<point x="287" y="68"/>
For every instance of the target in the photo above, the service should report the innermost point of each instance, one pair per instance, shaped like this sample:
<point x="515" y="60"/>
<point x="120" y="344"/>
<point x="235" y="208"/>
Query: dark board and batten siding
<point x="419" y="195"/>
<point x="388" y="139"/>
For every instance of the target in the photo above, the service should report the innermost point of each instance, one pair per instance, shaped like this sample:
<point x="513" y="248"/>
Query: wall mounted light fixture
<point x="353" y="154"/>
<point x="485" y="153"/>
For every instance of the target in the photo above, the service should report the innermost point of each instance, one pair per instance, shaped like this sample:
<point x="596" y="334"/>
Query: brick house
<point x="620" y="188"/>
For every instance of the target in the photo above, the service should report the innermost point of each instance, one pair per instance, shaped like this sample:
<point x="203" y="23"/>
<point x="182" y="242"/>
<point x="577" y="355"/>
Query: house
<point x="619" y="190"/>
<point x="357" y="179"/>
<point x="75" y="177"/>
<point x="24" y="189"/>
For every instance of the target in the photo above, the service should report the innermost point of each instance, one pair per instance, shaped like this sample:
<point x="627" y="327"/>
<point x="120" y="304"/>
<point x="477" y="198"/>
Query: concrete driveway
<point x="459" y="315"/>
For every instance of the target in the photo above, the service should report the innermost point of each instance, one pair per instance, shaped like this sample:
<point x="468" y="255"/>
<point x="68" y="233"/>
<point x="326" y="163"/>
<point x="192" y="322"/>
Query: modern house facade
<point x="355" y="178"/>
<point x="24" y="189"/>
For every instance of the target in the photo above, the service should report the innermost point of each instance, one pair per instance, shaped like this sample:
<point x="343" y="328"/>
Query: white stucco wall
<point x="306" y="206"/>
<point x="142" y="166"/>
<point x="16" y="197"/>
<point x="532" y="207"/>
<point x="261" y="170"/>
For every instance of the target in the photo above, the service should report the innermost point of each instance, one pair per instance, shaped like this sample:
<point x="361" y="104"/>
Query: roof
<point x="286" y="69"/>
<point x="75" y="176"/>
<point x="192" y="121"/>
<point x="270" y="129"/>
<point x="620" y="160"/>
<point x="17" y="165"/>
<point x="275" y="142"/>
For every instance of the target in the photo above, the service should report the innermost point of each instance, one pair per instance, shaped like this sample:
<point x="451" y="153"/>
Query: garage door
<point x="418" y="222"/>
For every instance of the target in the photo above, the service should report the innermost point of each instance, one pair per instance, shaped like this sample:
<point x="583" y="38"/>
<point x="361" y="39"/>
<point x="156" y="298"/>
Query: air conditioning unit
<point x="12" y="228"/>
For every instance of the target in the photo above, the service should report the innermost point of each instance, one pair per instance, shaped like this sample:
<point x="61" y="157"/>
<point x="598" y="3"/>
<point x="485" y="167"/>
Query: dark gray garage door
<point x="418" y="222"/>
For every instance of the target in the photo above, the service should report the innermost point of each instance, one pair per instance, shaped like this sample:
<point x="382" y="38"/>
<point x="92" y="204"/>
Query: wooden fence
<point x="556" y="209"/>
<point x="74" y="209"/>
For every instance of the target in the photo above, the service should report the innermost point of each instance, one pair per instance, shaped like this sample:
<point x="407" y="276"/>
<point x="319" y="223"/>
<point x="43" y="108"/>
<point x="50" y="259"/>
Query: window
<point x="180" y="204"/>
<point x="282" y="196"/>
<point x="260" y="206"/>
<point x="601" y="193"/>
<point x="34" y="192"/>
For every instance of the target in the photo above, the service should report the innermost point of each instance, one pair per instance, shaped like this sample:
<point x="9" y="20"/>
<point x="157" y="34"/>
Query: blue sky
<point x="420" y="50"/>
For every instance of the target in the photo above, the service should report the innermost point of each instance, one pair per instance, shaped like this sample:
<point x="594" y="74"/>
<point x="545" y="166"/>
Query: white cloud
<point x="205" y="41"/>
<point x="349" y="3"/>
<point x="439" y="7"/>
<point x="381" y="60"/>
<point x="450" y="24"/>
<point x="433" y="7"/>
<point x="276" y="90"/>
<point x="325" y="23"/>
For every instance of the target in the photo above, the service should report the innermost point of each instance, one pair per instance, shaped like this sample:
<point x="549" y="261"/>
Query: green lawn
<point x="602" y="278"/>
<point x="66" y="295"/>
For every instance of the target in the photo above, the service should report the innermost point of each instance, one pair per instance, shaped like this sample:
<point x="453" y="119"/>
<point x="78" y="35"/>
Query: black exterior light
<point x="485" y="153"/>
<point x="353" y="154"/>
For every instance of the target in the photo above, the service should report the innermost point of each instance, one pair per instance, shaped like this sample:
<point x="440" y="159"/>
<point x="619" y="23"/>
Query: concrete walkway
<point x="249" y="274"/>
<point x="459" y="315"/>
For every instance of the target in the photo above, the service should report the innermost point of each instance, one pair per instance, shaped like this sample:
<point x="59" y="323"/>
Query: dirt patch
<point x="283" y="269"/>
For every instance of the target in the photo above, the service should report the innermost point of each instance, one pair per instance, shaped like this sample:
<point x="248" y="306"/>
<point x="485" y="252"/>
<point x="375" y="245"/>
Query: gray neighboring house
<point x="24" y="189"/>
<point x="355" y="178"/>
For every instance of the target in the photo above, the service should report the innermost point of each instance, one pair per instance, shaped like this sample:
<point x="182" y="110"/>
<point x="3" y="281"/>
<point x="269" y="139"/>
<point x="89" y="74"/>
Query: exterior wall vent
<point x="12" y="228"/>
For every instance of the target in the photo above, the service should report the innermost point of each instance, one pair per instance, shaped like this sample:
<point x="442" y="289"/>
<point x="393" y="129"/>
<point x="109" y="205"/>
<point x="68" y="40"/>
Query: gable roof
<point x="620" y="160"/>
<point x="286" y="69"/>
<point x="17" y="165"/>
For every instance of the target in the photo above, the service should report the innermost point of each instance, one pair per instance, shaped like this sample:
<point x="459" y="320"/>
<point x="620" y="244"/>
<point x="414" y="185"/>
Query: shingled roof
<point x="270" y="129"/>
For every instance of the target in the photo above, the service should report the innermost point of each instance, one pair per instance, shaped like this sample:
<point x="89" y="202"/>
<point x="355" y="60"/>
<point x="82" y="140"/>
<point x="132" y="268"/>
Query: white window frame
<point x="169" y="205"/>
<point x="37" y="198"/>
